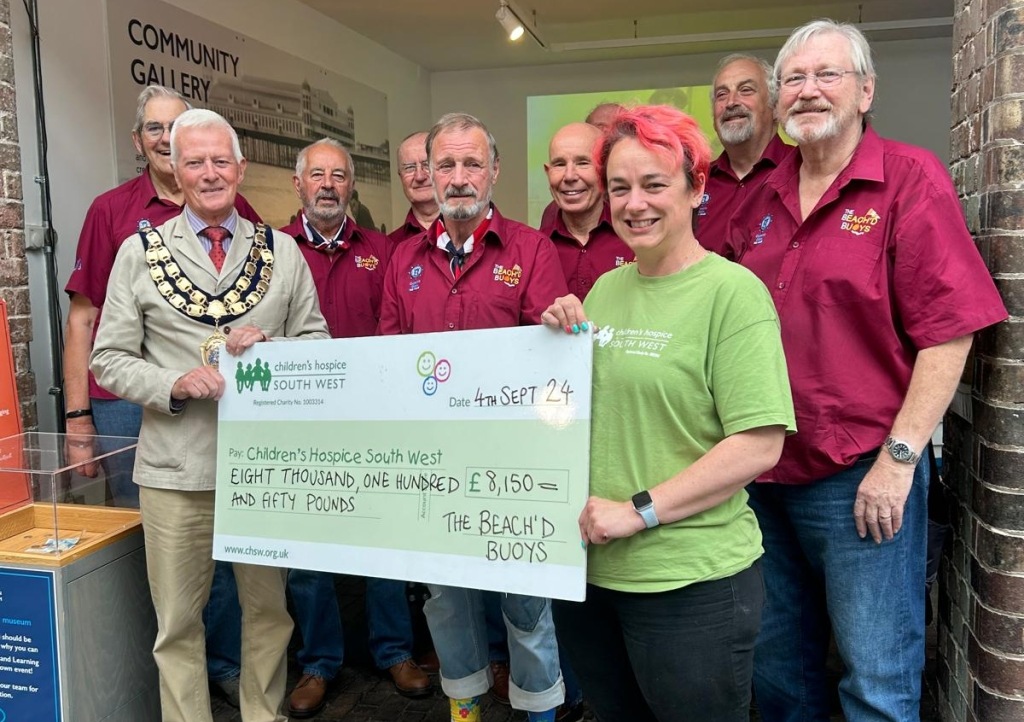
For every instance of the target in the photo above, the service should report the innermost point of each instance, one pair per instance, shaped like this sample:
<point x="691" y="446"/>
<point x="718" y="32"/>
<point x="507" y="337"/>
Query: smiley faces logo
<point x="425" y="363"/>
<point x="434" y="372"/>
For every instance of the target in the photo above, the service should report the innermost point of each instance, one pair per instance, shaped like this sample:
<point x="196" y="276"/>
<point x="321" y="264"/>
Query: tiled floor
<point x="361" y="694"/>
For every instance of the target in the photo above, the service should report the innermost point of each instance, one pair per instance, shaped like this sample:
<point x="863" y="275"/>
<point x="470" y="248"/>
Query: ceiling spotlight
<point x="512" y="24"/>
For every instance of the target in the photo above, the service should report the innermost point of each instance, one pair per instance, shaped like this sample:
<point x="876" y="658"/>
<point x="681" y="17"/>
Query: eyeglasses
<point x="155" y="131"/>
<point x="410" y="168"/>
<point x="828" y="78"/>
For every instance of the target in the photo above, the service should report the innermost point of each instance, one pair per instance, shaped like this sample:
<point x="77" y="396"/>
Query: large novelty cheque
<point x="454" y="458"/>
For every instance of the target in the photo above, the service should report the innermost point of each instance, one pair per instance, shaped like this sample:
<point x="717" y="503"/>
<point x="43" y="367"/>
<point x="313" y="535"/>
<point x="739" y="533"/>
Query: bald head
<point x="603" y="115"/>
<point x="572" y="176"/>
<point x="576" y="134"/>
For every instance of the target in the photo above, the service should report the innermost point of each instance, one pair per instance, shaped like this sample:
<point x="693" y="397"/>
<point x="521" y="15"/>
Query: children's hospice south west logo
<point x="434" y="372"/>
<point x="248" y="377"/>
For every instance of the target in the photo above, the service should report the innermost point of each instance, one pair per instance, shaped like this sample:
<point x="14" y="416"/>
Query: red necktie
<point x="216" y="236"/>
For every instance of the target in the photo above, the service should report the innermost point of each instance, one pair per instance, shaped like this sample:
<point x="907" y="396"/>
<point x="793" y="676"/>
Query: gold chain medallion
<point x="249" y="288"/>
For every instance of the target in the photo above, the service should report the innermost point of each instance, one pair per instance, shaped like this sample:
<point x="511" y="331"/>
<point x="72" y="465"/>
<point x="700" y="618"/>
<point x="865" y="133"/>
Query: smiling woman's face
<point x="651" y="199"/>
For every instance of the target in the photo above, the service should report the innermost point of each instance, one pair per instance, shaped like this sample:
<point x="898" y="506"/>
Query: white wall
<point x="911" y="101"/>
<point x="77" y="99"/>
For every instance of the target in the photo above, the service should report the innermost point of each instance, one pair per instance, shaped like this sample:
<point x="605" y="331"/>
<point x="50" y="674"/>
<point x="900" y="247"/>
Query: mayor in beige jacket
<point x="204" y="284"/>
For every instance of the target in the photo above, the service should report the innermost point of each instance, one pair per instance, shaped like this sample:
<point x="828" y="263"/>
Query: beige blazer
<point x="144" y="344"/>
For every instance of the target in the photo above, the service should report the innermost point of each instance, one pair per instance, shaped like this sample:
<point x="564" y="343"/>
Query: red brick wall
<point x="981" y="597"/>
<point x="13" y="266"/>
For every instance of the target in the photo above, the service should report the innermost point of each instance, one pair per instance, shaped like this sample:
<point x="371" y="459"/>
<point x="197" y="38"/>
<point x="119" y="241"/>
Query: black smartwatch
<point x="643" y="504"/>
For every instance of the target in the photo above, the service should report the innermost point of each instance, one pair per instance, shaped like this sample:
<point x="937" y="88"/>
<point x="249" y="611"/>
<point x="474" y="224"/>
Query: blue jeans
<point x="318" y="618"/>
<point x="459" y="630"/>
<point x="497" y="646"/>
<point x="684" y="655"/>
<point x="497" y="635"/>
<point x="388" y="621"/>
<point x="223" y="620"/>
<point x="821" y="576"/>
<point x="116" y="417"/>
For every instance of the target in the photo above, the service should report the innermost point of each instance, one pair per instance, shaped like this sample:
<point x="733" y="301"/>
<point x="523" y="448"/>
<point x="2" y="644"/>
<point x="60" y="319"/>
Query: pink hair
<point x="661" y="129"/>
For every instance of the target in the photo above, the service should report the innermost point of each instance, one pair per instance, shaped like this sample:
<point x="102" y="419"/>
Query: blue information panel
<point x="29" y="680"/>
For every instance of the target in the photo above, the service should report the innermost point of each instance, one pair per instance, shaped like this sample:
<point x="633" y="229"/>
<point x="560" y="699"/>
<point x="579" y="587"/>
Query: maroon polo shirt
<point x="509" y="279"/>
<point x="410" y="228"/>
<point x="724" y="193"/>
<point x="113" y="217"/>
<point x="882" y="267"/>
<point x="582" y="264"/>
<point x="350" y="281"/>
<point x="549" y="214"/>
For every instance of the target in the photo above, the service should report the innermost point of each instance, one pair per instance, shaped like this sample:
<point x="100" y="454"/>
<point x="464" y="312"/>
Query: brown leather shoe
<point x="307" y="699"/>
<point x="499" y="689"/>
<point x="429" y="662"/>
<point x="410" y="680"/>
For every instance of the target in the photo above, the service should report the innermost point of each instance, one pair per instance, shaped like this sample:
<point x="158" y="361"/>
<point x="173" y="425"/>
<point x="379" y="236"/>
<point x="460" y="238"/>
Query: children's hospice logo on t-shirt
<point x="634" y="341"/>
<point x="604" y="335"/>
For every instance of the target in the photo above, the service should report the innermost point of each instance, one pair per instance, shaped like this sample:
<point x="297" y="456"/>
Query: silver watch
<point x="901" y="451"/>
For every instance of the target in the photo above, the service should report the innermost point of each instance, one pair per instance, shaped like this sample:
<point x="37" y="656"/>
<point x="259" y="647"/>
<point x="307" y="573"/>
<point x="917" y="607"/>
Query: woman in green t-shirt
<point x="691" y="402"/>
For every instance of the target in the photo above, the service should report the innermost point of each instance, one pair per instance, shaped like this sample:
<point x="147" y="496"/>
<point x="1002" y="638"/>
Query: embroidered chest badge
<point x="370" y="263"/>
<point x="859" y="225"/>
<point x="702" y="209"/>
<point x="415" y="276"/>
<point x="763" y="230"/>
<point x="509" y="276"/>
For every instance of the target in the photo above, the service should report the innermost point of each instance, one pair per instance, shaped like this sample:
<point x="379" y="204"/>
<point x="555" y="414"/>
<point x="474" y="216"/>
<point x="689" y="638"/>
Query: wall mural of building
<point x="277" y="103"/>
<point x="275" y="120"/>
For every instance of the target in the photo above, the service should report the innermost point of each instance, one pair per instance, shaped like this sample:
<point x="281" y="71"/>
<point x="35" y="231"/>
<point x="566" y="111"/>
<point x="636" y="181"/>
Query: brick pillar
<point x="981" y="595"/>
<point x="13" y="265"/>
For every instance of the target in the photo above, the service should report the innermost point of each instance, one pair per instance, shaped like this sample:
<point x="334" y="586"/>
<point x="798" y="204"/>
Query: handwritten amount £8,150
<point x="509" y="484"/>
<point x="554" y="392"/>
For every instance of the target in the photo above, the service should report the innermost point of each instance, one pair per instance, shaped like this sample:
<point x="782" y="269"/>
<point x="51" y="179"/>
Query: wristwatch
<point x="900" y="451"/>
<point x="643" y="504"/>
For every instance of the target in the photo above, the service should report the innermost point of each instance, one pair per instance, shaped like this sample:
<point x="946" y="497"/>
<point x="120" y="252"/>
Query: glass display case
<point x="77" y="630"/>
<point x="61" y="495"/>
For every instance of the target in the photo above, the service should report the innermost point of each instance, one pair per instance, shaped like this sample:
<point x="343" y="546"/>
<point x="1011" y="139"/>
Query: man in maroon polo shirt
<point x="475" y="269"/>
<point x="879" y="288"/>
<point x="582" y="229"/>
<point x="744" y="116"/>
<point x="347" y="260"/>
<point x="153" y="196"/>
<point x="414" y="173"/>
<point x="348" y="264"/>
<point x="600" y="117"/>
<point x="496" y="273"/>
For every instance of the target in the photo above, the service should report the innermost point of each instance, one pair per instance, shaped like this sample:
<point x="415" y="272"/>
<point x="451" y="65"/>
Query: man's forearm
<point x="936" y="373"/>
<point x="77" y="347"/>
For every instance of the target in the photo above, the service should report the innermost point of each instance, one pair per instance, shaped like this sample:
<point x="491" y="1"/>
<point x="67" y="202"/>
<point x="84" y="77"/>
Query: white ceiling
<point x="464" y="35"/>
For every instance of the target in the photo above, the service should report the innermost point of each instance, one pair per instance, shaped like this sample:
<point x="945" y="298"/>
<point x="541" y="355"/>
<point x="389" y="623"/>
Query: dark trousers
<point x="684" y="655"/>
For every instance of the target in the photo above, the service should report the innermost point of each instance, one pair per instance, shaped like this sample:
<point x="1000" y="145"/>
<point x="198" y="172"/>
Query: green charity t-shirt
<point x="680" y="362"/>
